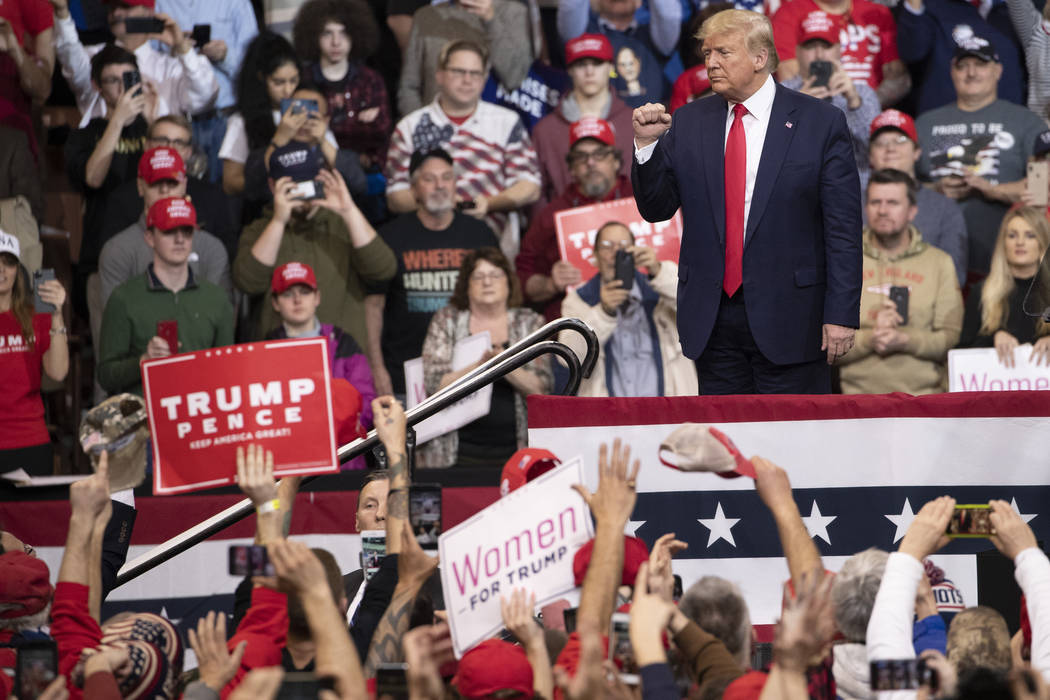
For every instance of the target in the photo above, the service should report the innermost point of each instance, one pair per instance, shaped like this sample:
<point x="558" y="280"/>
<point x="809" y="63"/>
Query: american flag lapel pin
<point x="788" y="124"/>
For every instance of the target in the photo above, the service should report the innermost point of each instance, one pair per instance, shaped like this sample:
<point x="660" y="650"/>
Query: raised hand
<point x="650" y="121"/>
<point x="255" y="474"/>
<point x="926" y="534"/>
<point x="217" y="665"/>
<point x="614" y="500"/>
<point x="1012" y="534"/>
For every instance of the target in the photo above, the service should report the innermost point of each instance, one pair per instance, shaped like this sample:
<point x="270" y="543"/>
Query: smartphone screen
<point x="36" y="667"/>
<point x="971" y="521"/>
<point x="625" y="268"/>
<point x="373" y="549"/>
<point x="299" y="685"/>
<point x="168" y="331"/>
<point x="899" y="296"/>
<point x="143" y="25"/>
<point x="43" y="275"/>
<point x="201" y="34"/>
<point x="391" y="682"/>
<point x="821" y="70"/>
<point x="249" y="560"/>
<point x="424" y="514"/>
<point x="902" y="674"/>
<point x="621" y="652"/>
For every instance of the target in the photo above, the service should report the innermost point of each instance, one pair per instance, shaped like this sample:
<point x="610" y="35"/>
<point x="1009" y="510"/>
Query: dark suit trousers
<point x="732" y="363"/>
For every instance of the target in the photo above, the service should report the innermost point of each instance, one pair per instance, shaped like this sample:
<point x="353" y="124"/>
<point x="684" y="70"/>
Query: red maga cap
<point x="894" y="119"/>
<point x="819" y="25"/>
<point x="492" y="666"/>
<point x="172" y="212"/>
<point x="525" y="465"/>
<point x="291" y="274"/>
<point x="588" y="46"/>
<point x="635" y="553"/>
<point x="161" y="163"/>
<point x="25" y="588"/>
<point x="592" y="128"/>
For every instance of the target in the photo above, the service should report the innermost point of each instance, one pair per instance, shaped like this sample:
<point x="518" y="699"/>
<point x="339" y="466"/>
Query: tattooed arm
<point x="414" y="567"/>
<point x="389" y="417"/>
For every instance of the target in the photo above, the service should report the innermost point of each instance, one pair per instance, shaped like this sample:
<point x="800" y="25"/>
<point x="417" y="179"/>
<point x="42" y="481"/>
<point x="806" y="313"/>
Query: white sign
<point x="526" y="539"/>
<point x="467" y="410"/>
<point x="979" y="369"/>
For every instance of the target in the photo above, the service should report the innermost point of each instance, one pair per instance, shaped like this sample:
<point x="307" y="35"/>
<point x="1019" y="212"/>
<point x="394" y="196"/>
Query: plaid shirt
<point x="361" y="89"/>
<point x="491" y="149"/>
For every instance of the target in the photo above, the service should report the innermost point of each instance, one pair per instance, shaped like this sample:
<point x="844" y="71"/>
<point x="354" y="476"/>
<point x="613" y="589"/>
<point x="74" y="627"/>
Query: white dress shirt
<point x="756" y="122"/>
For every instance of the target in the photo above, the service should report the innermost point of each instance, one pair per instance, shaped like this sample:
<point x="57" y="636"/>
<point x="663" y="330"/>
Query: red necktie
<point x="736" y="183"/>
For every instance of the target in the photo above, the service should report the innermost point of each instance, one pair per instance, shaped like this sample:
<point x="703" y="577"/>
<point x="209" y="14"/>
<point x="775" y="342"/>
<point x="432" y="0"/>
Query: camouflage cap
<point x="118" y="426"/>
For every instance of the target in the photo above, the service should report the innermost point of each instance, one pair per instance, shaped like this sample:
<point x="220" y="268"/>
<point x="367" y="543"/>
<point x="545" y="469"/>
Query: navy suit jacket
<point x="802" y="247"/>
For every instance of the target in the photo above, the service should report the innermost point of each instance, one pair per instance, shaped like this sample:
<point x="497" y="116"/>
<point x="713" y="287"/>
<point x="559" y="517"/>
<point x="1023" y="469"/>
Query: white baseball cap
<point x="9" y="244"/>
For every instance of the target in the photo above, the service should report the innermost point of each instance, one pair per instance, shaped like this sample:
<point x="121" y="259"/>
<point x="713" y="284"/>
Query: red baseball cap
<point x="524" y="466"/>
<point x="161" y="163"/>
<point x="588" y="46"/>
<point x="894" y="119"/>
<point x="171" y="212"/>
<point x="635" y="553"/>
<point x="492" y="666"/>
<point x="24" y="585"/>
<point x="592" y="128"/>
<point x="819" y="25"/>
<point x="291" y="274"/>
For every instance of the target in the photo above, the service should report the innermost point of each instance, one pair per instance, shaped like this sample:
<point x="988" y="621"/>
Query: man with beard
<point x="314" y="221"/>
<point x="902" y="347"/>
<point x="594" y="164"/>
<point x="429" y="244"/>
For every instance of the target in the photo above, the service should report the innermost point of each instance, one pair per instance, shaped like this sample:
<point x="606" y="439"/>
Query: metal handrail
<point x="521" y="353"/>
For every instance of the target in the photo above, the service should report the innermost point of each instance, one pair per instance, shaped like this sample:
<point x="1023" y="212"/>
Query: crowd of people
<point x="873" y="626"/>
<point x="408" y="163"/>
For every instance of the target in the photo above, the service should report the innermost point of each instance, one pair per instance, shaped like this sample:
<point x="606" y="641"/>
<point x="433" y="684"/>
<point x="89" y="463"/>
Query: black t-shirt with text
<point x="427" y="267"/>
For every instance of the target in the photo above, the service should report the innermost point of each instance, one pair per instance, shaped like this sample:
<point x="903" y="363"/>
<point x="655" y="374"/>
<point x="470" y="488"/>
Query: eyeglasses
<point x="481" y="277"/>
<point x="163" y="141"/>
<point x="613" y="245"/>
<point x="898" y="140"/>
<point x="595" y="156"/>
<point x="464" y="73"/>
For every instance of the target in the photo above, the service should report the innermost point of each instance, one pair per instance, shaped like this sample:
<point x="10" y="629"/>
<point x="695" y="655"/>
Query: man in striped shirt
<point x="497" y="172"/>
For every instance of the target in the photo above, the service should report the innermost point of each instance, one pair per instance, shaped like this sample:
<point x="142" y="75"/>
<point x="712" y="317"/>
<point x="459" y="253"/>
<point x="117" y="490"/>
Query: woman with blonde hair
<point x="995" y="310"/>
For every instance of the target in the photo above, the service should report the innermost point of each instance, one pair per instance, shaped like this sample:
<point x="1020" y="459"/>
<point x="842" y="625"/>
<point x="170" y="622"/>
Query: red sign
<point x="576" y="229"/>
<point x="203" y="405"/>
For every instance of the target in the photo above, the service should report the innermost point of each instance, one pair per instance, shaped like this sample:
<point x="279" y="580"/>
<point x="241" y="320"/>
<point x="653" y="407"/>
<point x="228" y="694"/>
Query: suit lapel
<point x="778" y="139"/>
<point x="712" y="142"/>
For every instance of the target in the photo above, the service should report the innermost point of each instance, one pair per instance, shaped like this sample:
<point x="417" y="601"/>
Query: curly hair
<point x="355" y="15"/>
<point x="265" y="54"/>
<point x="460" y="298"/>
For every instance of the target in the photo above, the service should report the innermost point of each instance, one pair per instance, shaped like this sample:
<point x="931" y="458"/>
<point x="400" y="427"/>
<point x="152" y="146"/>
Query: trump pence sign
<point x="527" y="539"/>
<point x="577" y="227"/>
<point x="204" y="404"/>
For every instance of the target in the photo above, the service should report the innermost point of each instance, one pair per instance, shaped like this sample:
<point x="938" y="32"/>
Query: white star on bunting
<point x="817" y="523"/>
<point x="902" y="521"/>
<point x="720" y="526"/>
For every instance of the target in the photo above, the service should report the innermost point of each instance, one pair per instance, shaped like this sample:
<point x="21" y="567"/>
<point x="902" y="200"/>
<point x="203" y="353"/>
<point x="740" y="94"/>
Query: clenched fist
<point x="650" y="121"/>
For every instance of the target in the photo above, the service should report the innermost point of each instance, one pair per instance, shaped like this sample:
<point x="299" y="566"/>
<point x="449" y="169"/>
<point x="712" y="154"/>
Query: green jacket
<point x="201" y="309"/>
<point x="323" y="243"/>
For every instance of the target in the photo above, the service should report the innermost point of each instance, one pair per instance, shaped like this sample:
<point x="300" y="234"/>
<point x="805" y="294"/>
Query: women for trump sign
<point x="203" y="405"/>
<point x="527" y="539"/>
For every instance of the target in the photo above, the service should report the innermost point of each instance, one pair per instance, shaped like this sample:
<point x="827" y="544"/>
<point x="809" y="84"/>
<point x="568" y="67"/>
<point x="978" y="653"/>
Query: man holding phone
<point x="910" y="306"/>
<point x="181" y="77"/>
<point x="821" y="75"/>
<point x="634" y="316"/>
<point x="167" y="305"/>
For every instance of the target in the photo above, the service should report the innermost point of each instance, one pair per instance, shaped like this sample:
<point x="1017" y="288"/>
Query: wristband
<point x="269" y="507"/>
<point x="59" y="331"/>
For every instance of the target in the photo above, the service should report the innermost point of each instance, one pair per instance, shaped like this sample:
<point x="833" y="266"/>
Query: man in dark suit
<point x="770" y="268"/>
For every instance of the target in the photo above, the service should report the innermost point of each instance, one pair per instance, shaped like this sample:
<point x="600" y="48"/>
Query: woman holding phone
<point x="29" y="341"/>
<point x="487" y="298"/>
<point x="996" y="315"/>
